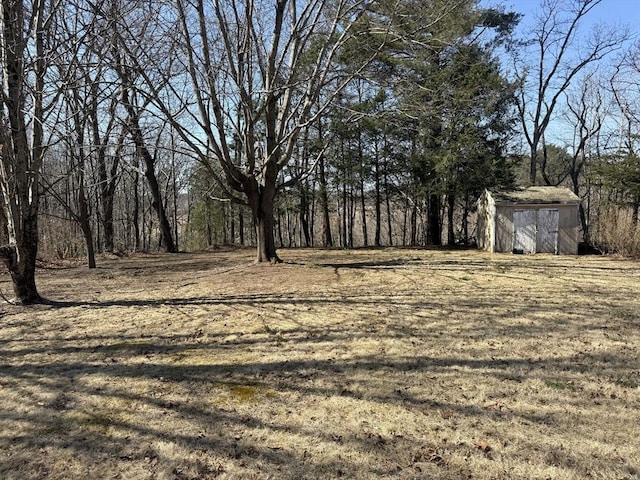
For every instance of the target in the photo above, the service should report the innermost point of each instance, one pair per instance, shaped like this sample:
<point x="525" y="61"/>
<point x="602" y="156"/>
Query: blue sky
<point x="625" y="12"/>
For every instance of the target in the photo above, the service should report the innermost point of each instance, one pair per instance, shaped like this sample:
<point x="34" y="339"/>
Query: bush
<point x="617" y="232"/>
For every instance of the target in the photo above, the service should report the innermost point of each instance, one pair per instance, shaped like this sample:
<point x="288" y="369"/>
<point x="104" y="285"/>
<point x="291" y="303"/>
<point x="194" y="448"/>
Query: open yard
<point x="365" y="364"/>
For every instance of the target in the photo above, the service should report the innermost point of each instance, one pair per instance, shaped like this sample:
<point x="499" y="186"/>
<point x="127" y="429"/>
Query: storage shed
<point x="530" y="220"/>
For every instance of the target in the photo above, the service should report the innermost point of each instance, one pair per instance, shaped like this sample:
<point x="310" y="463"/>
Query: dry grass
<point x="616" y="231"/>
<point x="408" y="364"/>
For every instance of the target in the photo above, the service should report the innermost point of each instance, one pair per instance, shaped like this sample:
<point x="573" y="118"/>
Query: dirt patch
<point x="390" y="363"/>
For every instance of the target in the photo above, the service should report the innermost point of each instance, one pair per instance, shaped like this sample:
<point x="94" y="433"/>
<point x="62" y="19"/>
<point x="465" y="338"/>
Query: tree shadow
<point x="88" y="432"/>
<point x="226" y="434"/>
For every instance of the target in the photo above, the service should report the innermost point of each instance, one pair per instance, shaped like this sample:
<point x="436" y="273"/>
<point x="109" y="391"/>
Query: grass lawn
<point x="365" y="364"/>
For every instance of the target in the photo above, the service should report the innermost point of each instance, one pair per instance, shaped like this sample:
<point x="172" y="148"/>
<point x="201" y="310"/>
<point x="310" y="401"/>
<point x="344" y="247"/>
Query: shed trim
<point x="536" y="196"/>
<point x="534" y="205"/>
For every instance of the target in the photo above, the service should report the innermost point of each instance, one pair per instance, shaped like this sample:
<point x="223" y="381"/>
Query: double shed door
<point x="536" y="231"/>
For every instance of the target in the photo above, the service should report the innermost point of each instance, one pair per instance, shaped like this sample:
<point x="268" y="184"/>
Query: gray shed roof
<point x="535" y="195"/>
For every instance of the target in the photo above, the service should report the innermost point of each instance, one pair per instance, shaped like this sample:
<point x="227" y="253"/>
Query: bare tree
<point x="556" y="54"/>
<point x="135" y="103"/>
<point x="256" y="71"/>
<point x="78" y="152"/>
<point x="625" y="86"/>
<point x="26" y="42"/>
<point x="78" y="95"/>
<point x="623" y="170"/>
<point x="107" y="135"/>
<point x="149" y="162"/>
<point x="587" y="112"/>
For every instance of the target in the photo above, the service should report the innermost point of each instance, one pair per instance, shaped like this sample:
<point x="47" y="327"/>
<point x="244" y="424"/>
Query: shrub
<point x="618" y="232"/>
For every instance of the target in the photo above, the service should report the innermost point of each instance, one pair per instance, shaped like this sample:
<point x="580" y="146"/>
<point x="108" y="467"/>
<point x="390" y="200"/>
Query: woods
<point x="183" y="124"/>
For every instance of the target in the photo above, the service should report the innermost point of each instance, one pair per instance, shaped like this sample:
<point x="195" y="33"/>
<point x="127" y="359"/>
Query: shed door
<point x="547" y="241"/>
<point x="524" y="231"/>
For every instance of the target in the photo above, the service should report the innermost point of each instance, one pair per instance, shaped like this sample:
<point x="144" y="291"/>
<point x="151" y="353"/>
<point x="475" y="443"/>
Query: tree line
<point x="181" y="124"/>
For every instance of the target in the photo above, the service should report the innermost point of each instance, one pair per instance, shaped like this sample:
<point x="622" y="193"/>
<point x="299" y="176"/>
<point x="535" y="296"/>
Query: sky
<point x="622" y="13"/>
<point x="625" y="12"/>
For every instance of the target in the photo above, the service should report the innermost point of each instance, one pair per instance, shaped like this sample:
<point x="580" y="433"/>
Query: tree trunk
<point x="352" y="214"/>
<point x="451" y="203"/>
<point x="465" y="220"/>
<point x="136" y="213"/>
<point x="232" y="224"/>
<point x="107" y="193"/>
<point x="434" y="234"/>
<point x="84" y="222"/>
<point x="106" y="200"/>
<point x="21" y="160"/>
<point x="583" y="217"/>
<point x="312" y="213"/>
<point x="378" y="206"/>
<point x="83" y="214"/>
<point x="175" y="200"/>
<point x="414" y="223"/>
<point x="207" y="215"/>
<point x="278" y="227"/>
<point x="363" y="206"/>
<point x="156" y="195"/>
<point x="405" y="216"/>
<point x="106" y="177"/>
<point x="261" y="200"/>
<point x="343" y="207"/>
<point x="263" y="222"/>
<point x="133" y="126"/>
<point x="291" y="229"/>
<point x="327" y="239"/>
<point x="88" y="241"/>
<point x="304" y="214"/>
<point x="387" y="201"/>
<point x="533" y="165"/>
<point x="20" y="260"/>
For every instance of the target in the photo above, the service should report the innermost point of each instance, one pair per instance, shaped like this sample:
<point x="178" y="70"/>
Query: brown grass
<point x="408" y="364"/>
<point x="616" y="231"/>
